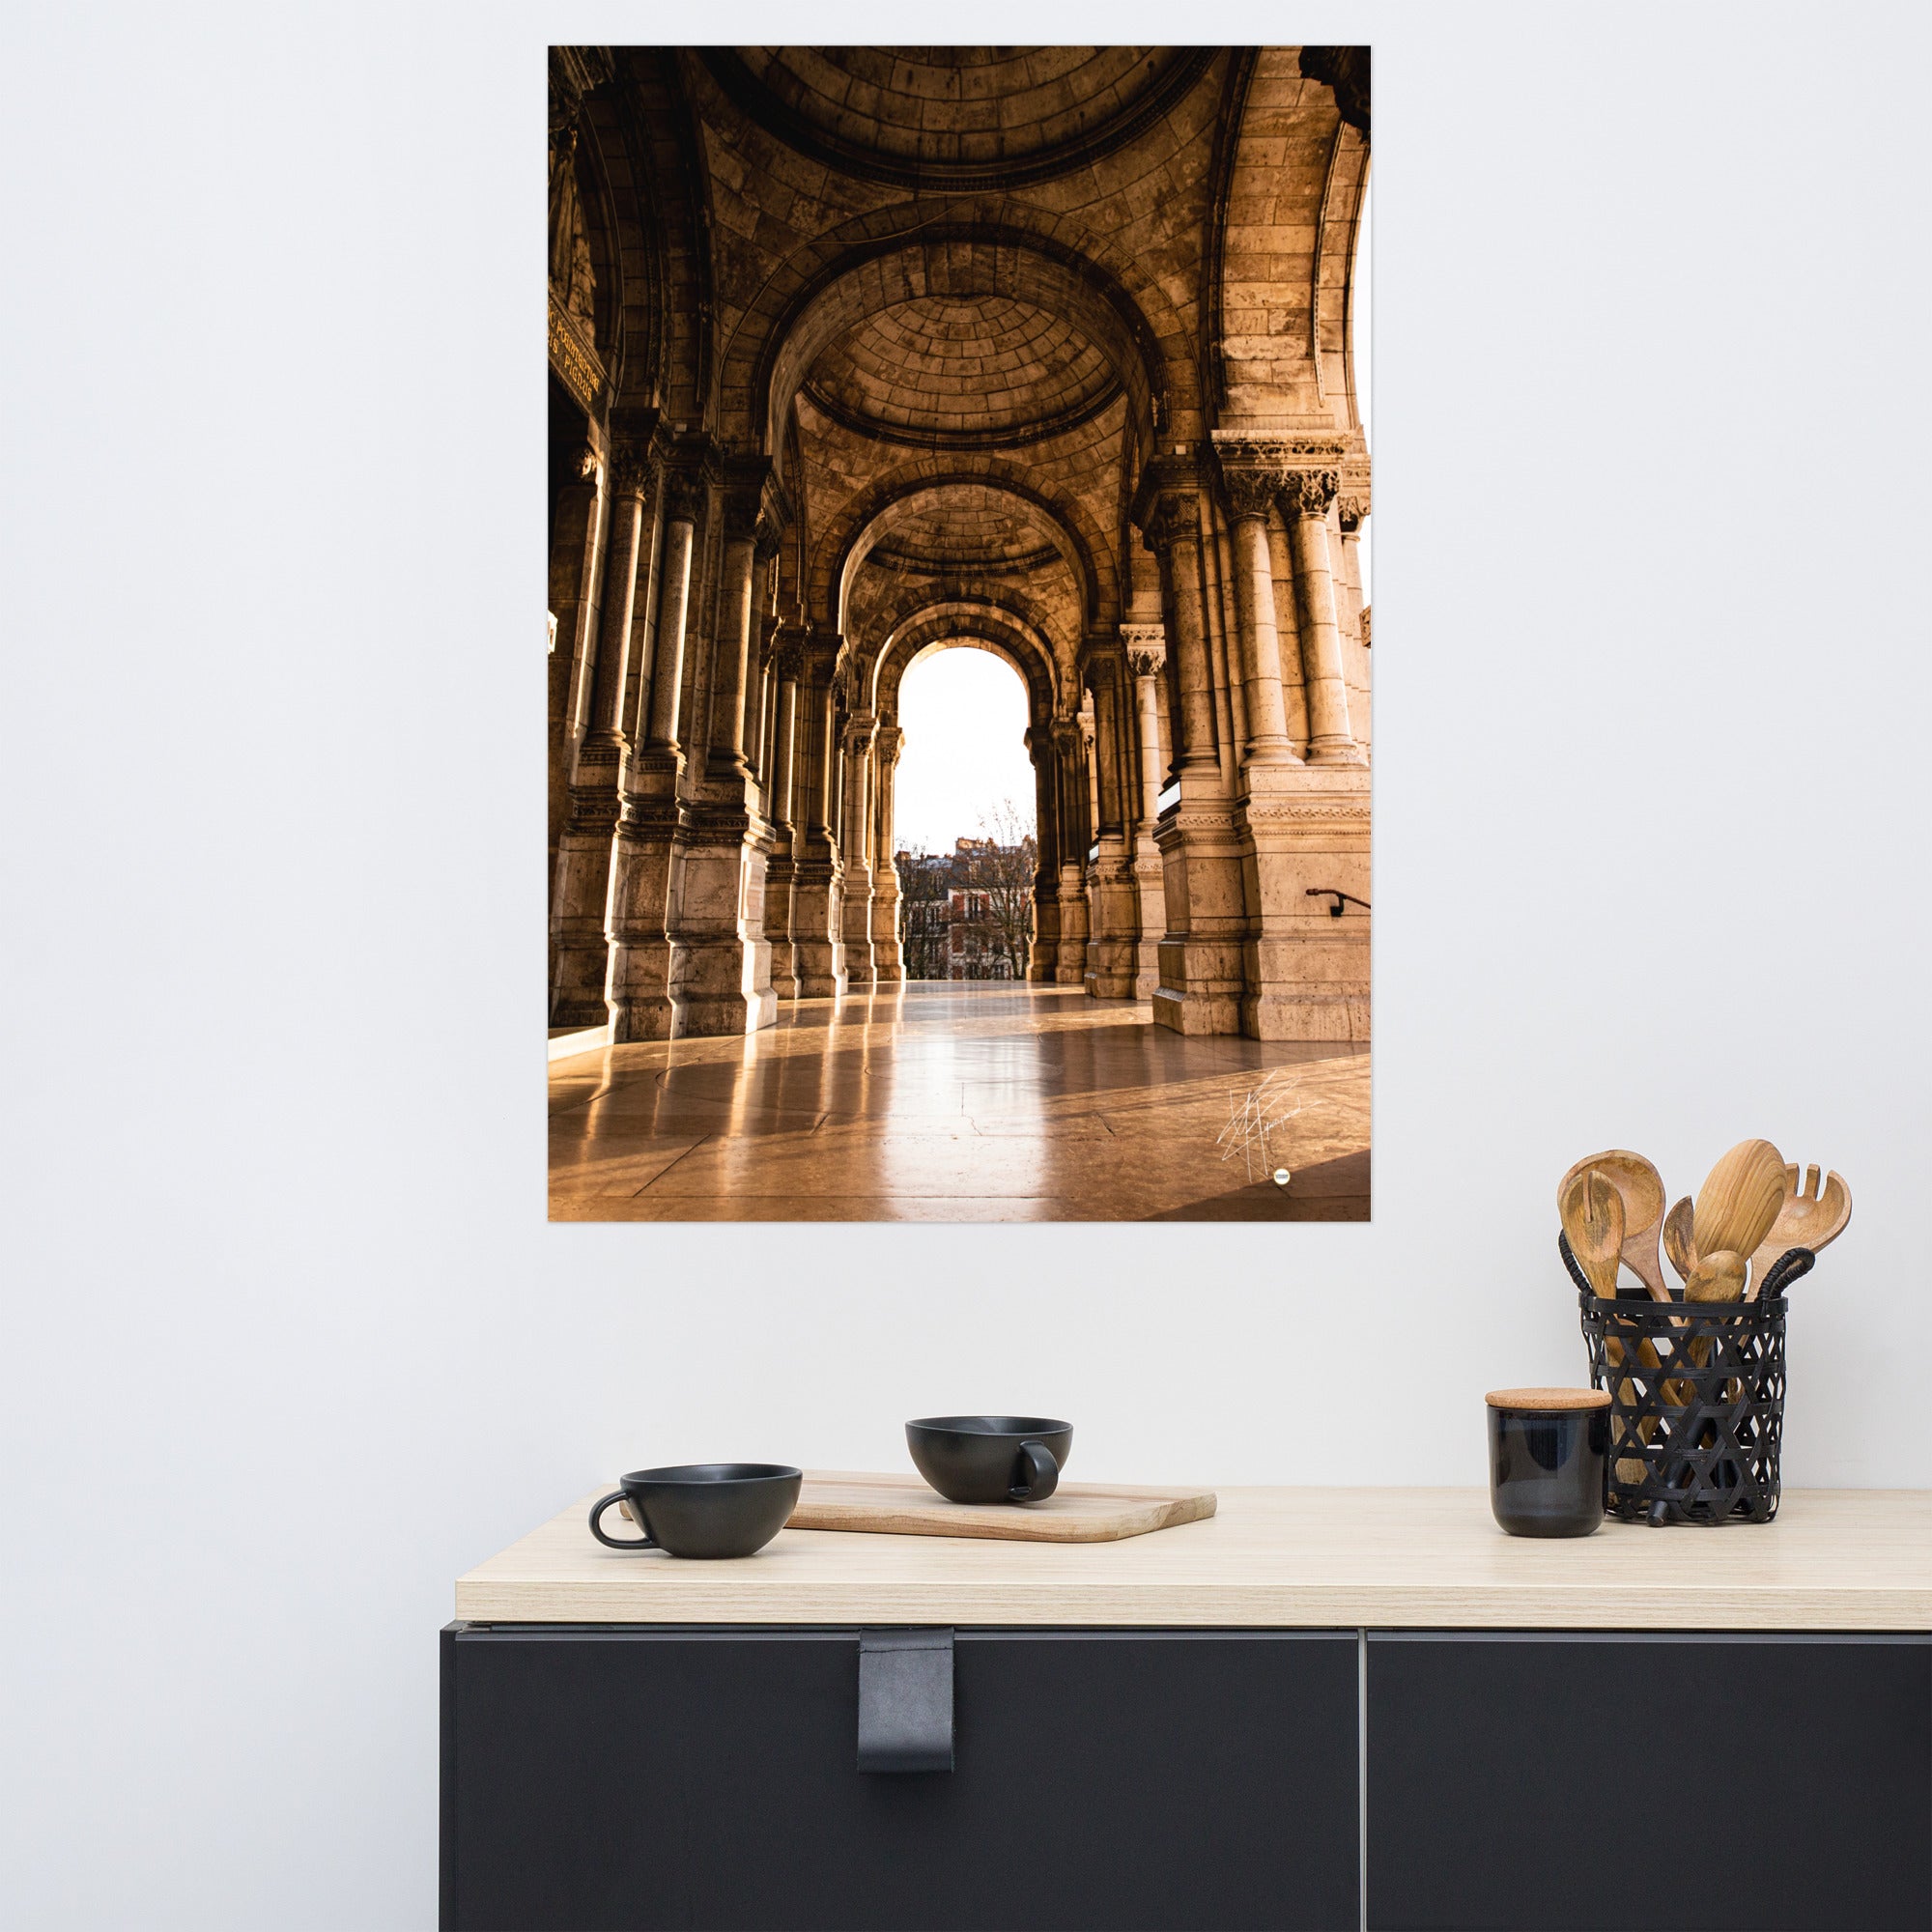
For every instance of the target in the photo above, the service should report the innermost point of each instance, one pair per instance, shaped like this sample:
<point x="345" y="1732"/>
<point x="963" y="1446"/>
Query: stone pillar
<point x="1307" y="829"/>
<point x="584" y="852"/>
<point x="859" y="969"/>
<point x="1351" y="510"/>
<point x="888" y="955"/>
<point x="573" y="562"/>
<point x="1113" y="895"/>
<point x="1251" y="492"/>
<point x="1070" y="968"/>
<point x="1147" y="657"/>
<point x="1201" y="963"/>
<point x="818" y="942"/>
<point x="1044" y="943"/>
<point x="1305" y="502"/>
<point x="721" y="959"/>
<point x="781" y="869"/>
<point x="637" y="993"/>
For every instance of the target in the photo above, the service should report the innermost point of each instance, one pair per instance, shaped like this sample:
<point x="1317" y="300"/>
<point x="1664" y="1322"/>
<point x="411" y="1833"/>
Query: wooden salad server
<point x="1642" y="1187"/>
<point x="1679" y="1241"/>
<point x="1810" y="1216"/>
<point x="1739" y="1201"/>
<point x="1592" y="1211"/>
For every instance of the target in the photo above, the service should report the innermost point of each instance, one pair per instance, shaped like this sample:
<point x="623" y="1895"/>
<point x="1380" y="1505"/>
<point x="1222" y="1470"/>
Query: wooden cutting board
<point x="1075" y="1512"/>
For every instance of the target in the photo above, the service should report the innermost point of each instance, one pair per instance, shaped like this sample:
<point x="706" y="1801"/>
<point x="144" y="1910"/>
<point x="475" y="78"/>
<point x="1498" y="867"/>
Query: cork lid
<point x="1548" y="1400"/>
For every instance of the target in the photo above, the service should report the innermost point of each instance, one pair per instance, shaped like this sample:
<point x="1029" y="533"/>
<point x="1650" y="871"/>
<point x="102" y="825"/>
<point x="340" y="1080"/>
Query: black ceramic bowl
<point x="990" y="1458"/>
<point x="703" y="1509"/>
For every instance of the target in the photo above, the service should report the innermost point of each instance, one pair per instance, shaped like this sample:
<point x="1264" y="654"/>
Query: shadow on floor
<point x="1332" y="1190"/>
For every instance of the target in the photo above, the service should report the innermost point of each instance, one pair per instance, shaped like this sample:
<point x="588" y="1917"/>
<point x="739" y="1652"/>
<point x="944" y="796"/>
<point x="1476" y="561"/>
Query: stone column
<point x="732" y="653"/>
<point x="1147" y="657"/>
<point x="721" y="959"/>
<point x="572" y="560"/>
<point x="1305" y="502"/>
<point x="860" y="971"/>
<point x="1199" y="952"/>
<point x="888" y="955"/>
<point x="818" y="942"/>
<point x="637" y="993"/>
<point x="584" y="852"/>
<point x="1307" y="974"/>
<point x="1044" y="944"/>
<point x="1251" y="492"/>
<point x="1351" y="510"/>
<point x="781" y="869"/>
<point x="1113" y="896"/>
<point x="1070" y="968"/>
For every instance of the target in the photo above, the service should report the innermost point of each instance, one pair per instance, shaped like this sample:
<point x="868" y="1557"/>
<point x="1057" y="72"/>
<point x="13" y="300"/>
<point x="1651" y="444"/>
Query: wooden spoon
<point x="1642" y="1187"/>
<point x="1680" y="1241"/>
<point x="1810" y="1216"/>
<point x="1593" y="1218"/>
<point x="1593" y="1222"/>
<point x="1716" y="1277"/>
<point x="1739" y="1200"/>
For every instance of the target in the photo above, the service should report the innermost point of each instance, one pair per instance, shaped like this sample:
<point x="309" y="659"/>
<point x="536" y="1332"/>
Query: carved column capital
<point x="1175" y="517"/>
<point x="858" y="735"/>
<point x="631" y="465"/>
<point x="890" y="739"/>
<point x="1251" y="491"/>
<point x="1353" y="512"/>
<point x="684" y="496"/>
<point x="1146" y="646"/>
<point x="788" y="652"/>
<point x="1308" y="492"/>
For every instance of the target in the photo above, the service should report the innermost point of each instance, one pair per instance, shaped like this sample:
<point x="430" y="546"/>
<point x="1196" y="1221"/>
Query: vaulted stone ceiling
<point x="960" y="296"/>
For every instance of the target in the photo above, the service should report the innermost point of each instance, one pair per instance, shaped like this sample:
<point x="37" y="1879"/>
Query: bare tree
<point x="1006" y="868"/>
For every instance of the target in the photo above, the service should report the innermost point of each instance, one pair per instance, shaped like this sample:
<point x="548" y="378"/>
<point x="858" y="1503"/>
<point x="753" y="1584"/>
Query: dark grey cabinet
<point x="607" y="1778"/>
<point x="1582" y="1782"/>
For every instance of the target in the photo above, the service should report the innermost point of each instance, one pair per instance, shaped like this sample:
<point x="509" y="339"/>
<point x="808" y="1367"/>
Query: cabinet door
<point x="606" y="1779"/>
<point x="1570" y="1783"/>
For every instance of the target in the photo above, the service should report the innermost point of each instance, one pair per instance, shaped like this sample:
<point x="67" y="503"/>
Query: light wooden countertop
<point x="1834" y="1559"/>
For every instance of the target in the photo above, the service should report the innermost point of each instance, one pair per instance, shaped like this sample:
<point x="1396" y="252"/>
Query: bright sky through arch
<point x="964" y="716"/>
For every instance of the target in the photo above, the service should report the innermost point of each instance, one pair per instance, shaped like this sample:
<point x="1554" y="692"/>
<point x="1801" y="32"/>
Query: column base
<point x="856" y="920"/>
<point x="781" y="875"/>
<point x="1070" y="962"/>
<point x="637" y="986"/>
<point x="1112" y="948"/>
<point x="1201" y="850"/>
<point x="1306" y="973"/>
<point x="817" y="948"/>
<point x="721" y="963"/>
<point x="888" y="955"/>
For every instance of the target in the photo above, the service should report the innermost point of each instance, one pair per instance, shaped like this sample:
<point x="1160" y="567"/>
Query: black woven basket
<point x="1696" y="1401"/>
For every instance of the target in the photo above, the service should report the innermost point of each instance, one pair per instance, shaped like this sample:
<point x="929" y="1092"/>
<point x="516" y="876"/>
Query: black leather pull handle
<point x="905" y="1700"/>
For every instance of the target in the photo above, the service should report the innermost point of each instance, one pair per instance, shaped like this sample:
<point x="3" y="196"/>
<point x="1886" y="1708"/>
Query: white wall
<point x="289" y="1342"/>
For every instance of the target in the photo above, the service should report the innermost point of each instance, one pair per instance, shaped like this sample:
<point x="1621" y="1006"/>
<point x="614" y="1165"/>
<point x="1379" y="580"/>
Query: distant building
<point x="959" y="910"/>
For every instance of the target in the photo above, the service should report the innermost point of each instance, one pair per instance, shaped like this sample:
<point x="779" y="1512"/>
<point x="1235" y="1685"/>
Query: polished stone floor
<point x="950" y="1102"/>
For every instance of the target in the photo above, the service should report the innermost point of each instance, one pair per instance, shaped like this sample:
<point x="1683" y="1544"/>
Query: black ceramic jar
<point x="1548" y="1458"/>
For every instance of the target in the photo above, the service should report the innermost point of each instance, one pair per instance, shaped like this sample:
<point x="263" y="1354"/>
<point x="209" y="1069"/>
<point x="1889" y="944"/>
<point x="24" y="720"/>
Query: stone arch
<point x="980" y="626"/>
<point x="869" y="516"/>
<point x="972" y="246"/>
<point x="1281" y="257"/>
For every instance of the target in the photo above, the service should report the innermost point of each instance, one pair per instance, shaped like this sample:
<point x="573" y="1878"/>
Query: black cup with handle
<point x="990" y="1458"/>
<point x="702" y="1509"/>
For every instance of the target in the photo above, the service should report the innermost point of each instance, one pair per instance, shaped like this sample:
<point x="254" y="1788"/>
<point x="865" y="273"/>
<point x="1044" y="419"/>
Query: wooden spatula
<point x="1638" y="1181"/>
<point x="1810" y="1216"/>
<point x="1739" y="1200"/>
<point x="1593" y="1221"/>
<point x="1593" y="1218"/>
<point x="1679" y="1241"/>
